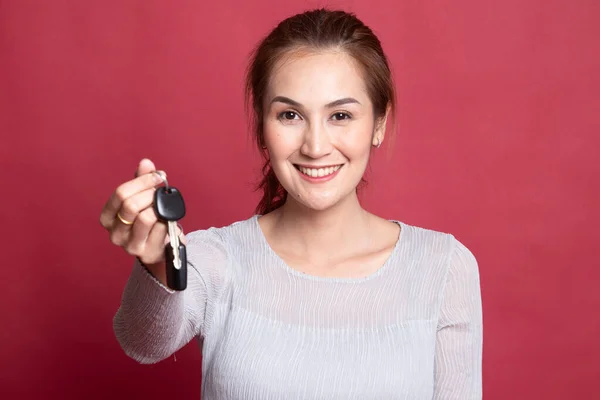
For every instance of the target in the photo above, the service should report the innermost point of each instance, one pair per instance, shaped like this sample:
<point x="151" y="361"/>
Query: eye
<point x="288" y="115"/>
<point x="340" y="116"/>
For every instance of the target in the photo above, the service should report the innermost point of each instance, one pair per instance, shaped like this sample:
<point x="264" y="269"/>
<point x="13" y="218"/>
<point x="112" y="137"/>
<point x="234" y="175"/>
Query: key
<point x="169" y="207"/>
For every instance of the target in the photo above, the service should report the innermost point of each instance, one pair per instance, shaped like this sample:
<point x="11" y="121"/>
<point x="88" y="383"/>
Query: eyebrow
<point x="336" y="103"/>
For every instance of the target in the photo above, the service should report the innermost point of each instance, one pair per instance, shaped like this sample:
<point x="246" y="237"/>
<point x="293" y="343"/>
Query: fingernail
<point x="159" y="176"/>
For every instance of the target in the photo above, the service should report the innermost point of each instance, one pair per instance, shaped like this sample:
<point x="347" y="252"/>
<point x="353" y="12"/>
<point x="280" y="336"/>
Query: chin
<point x="317" y="204"/>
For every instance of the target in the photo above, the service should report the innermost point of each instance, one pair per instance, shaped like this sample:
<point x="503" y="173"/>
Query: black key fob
<point x="176" y="278"/>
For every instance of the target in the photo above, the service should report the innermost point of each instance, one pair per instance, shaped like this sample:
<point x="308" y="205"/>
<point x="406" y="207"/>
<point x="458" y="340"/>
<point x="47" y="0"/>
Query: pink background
<point x="497" y="143"/>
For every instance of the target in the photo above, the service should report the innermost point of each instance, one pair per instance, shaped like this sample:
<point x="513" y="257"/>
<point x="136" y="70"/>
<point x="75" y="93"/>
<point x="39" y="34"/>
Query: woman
<point x="314" y="297"/>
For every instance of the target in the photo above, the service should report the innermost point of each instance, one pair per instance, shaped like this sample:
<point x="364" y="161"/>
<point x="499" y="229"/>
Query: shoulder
<point x="213" y="250"/>
<point x="223" y="236"/>
<point x="424" y="241"/>
<point x="446" y="262"/>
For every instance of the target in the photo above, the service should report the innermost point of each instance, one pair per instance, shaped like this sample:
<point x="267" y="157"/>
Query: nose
<point x="316" y="141"/>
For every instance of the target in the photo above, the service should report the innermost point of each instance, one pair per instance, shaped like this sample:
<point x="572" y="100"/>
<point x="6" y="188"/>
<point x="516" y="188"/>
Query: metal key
<point x="169" y="207"/>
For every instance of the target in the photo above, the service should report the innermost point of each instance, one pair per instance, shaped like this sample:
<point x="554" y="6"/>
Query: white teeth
<point x="319" y="172"/>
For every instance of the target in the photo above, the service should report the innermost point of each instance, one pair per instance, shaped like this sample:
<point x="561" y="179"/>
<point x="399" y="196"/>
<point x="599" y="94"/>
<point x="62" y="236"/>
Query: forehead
<point x="317" y="77"/>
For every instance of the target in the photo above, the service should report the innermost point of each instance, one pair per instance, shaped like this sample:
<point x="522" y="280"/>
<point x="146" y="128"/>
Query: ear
<point x="380" y="128"/>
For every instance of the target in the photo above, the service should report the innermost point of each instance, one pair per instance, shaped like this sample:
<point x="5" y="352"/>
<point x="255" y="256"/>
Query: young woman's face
<point x="319" y="127"/>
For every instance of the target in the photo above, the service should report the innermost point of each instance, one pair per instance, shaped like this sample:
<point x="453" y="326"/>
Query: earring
<point x="378" y="142"/>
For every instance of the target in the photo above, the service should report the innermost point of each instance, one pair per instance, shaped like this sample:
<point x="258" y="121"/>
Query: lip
<point x="317" y="166"/>
<point x="318" y="179"/>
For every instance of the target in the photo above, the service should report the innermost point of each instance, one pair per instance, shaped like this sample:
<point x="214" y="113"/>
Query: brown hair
<point x="319" y="30"/>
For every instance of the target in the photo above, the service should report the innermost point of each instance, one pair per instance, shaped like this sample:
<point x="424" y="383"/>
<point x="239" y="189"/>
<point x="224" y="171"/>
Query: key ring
<point x="162" y="177"/>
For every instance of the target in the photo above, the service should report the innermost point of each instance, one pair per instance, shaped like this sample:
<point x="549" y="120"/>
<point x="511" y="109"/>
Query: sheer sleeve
<point x="153" y="322"/>
<point x="458" y="355"/>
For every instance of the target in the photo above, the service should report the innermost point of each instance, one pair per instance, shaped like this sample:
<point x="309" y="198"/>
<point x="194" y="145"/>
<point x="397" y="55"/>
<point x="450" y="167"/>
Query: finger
<point x="156" y="238"/>
<point x="144" y="167"/>
<point x="130" y="209"/>
<point x="141" y="229"/>
<point x="132" y="206"/>
<point x="125" y="191"/>
<point x="139" y="245"/>
<point x="119" y="234"/>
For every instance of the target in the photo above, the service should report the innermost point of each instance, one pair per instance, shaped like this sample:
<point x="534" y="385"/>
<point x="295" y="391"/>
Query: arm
<point x="153" y="322"/>
<point x="458" y="354"/>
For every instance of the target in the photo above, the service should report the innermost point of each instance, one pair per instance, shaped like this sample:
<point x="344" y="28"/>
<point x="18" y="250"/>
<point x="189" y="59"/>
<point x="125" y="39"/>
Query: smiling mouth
<point x="318" y="172"/>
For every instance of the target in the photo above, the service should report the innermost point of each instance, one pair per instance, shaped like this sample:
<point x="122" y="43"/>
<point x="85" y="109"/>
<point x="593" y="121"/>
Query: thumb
<point x="144" y="167"/>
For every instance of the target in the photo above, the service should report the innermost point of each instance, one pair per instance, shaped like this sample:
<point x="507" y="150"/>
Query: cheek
<point x="281" y="141"/>
<point x="356" y="142"/>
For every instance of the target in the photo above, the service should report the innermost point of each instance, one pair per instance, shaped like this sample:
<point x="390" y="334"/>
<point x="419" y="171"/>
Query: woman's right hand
<point x="138" y="230"/>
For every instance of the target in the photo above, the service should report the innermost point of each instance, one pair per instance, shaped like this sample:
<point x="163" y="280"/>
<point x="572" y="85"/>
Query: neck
<point x="316" y="233"/>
